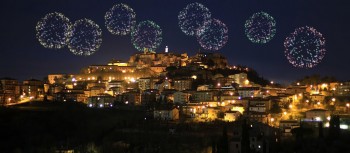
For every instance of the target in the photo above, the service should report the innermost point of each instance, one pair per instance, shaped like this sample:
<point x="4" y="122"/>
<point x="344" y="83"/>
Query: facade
<point x="101" y="101"/>
<point x="317" y="114"/>
<point x="166" y="114"/>
<point x="248" y="91"/>
<point x="239" y="78"/>
<point x="33" y="88"/>
<point x="287" y="125"/>
<point x="53" y="78"/>
<point x="231" y="116"/>
<point x="181" y="97"/>
<point x="70" y="96"/>
<point x="296" y="90"/>
<point x="182" y="84"/>
<point x="144" y="83"/>
<point x="261" y="117"/>
<point x="202" y="96"/>
<point x="259" y="105"/>
<point x="149" y="97"/>
<point x="10" y="90"/>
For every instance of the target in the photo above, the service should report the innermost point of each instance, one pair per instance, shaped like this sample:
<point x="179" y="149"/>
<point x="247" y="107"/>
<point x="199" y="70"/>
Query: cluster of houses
<point x="144" y="81"/>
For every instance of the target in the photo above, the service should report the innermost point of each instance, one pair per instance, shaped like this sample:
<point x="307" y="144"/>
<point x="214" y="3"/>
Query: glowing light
<point x="147" y="35"/>
<point x="333" y="99"/>
<point x="213" y="36"/>
<point x="193" y="17"/>
<point x="344" y="126"/>
<point x="194" y="77"/>
<point x="51" y="31"/>
<point x="260" y="28"/>
<point x="318" y="119"/>
<point x="327" y="124"/>
<point x="84" y="37"/>
<point x="305" y="47"/>
<point x="120" y="19"/>
<point x="246" y="82"/>
<point x="328" y="118"/>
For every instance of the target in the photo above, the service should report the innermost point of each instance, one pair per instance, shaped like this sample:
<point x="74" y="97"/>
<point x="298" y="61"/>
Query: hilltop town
<point x="203" y="88"/>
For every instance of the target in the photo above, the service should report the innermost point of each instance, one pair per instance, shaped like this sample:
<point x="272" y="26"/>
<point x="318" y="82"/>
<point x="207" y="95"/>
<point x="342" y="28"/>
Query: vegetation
<point x="49" y="126"/>
<point x="317" y="79"/>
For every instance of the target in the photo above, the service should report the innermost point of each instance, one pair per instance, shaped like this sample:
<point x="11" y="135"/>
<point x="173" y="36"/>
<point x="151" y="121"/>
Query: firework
<point x="213" y="36"/>
<point x="193" y="17"/>
<point x="120" y="19"/>
<point x="146" y="36"/>
<point x="84" y="37"/>
<point x="260" y="28"/>
<point x="305" y="47"/>
<point x="51" y="31"/>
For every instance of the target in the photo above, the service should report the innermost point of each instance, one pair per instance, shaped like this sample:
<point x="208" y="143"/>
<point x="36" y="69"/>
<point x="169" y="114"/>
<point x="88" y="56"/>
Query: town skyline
<point x="25" y="58"/>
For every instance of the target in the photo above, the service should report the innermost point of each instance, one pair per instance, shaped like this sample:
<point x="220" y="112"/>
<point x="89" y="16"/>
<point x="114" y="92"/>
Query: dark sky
<point x="22" y="56"/>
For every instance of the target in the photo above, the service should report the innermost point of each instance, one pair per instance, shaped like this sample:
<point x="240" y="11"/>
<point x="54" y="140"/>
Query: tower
<point x="166" y="49"/>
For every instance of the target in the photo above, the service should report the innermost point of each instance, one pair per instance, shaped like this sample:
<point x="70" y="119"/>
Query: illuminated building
<point x="10" y="90"/>
<point x="53" y="78"/>
<point x="182" y="84"/>
<point x="32" y="88"/>
<point x="181" y="97"/>
<point x="166" y="114"/>
<point x="231" y="116"/>
<point x="248" y="91"/>
<point x="239" y="78"/>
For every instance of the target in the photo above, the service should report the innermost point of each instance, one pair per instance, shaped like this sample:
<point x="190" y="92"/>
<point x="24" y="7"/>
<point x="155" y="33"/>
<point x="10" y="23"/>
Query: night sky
<point x="22" y="56"/>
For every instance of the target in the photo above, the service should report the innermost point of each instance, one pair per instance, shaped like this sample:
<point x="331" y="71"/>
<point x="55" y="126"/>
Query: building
<point x="259" y="105"/>
<point x="239" y="78"/>
<point x="56" y="78"/>
<point x="296" y="89"/>
<point x="287" y="125"/>
<point x="202" y="96"/>
<point x="182" y="84"/>
<point x="10" y="90"/>
<point x="101" y="101"/>
<point x="248" y="91"/>
<point x="96" y="90"/>
<point x="182" y="97"/>
<point x="166" y="114"/>
<point x="317" y="97"/>
<point x="149" y="97"/>
<point x="231" y="116"/>
<point x="144" y="83"/>
<point x="343" y="89"/>
<point x="317" y="114"/>
<point x="32" y="88"/>
<point x="261" y="117"/>
<point x="70" y="95"/>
